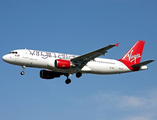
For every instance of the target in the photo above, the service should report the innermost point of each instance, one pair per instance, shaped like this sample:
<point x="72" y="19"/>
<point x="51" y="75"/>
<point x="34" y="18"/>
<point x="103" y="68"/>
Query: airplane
<point x="56" y="64"/>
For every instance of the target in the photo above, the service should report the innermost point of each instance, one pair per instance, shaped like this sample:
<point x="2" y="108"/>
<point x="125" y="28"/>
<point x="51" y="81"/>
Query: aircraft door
<point x="121" y="66"/>
<point x="25" y="53"/>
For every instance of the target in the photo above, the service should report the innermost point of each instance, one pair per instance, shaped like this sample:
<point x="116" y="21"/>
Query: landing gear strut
<point x="23" y="69"/>
<point x="67" y="81"/>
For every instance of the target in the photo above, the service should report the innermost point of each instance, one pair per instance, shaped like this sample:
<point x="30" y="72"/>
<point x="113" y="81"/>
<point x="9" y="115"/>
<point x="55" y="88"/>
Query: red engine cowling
<point x="49" y="74"/>
<point x="63" y="64"/>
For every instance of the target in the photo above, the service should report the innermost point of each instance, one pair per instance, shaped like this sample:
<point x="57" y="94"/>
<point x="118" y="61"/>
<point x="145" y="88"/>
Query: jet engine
<point x="45" y="74"/>
<point x="63" y="64"/>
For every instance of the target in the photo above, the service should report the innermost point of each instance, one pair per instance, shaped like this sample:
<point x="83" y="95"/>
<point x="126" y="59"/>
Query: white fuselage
<point x="41" y="59"/>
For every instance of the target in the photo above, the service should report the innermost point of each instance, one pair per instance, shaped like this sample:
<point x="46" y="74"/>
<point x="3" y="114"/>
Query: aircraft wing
<point x="142" y="63"/>
<point x="82" y="60"/>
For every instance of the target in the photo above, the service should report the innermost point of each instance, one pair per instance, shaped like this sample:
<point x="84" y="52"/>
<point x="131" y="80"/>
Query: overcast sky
<point x="78" y="27"/>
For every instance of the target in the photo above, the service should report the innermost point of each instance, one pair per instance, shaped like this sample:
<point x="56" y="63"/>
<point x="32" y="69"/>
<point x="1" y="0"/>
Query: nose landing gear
<point x="22" y="73"/>
<point x="23" y="69"/>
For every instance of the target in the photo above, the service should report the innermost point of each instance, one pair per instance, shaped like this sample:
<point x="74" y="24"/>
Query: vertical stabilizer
<point x="133" y="56"/>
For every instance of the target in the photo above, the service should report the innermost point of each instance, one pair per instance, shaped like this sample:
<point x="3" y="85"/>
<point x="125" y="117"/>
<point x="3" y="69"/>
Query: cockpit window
<point x="13" y="52"/>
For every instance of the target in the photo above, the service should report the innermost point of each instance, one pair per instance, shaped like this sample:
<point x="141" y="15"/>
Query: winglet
<point x="117" y="44"/>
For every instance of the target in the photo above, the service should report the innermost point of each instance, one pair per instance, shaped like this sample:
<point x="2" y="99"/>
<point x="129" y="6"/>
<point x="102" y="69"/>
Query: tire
<point x="22" y="73"/>
<point x="79" y="74"/>
<point x="68" y="81"/>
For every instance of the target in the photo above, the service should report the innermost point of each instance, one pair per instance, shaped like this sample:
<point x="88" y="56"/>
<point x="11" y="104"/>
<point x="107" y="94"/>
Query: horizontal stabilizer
<point x="142" y="63"/>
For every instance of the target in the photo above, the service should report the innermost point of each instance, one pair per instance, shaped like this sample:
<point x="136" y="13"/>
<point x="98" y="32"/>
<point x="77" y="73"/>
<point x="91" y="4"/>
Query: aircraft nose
<point x="5" y="58"/>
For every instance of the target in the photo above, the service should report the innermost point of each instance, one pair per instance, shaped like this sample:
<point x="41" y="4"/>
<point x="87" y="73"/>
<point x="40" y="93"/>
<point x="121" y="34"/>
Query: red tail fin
<point x="133" y="56"/>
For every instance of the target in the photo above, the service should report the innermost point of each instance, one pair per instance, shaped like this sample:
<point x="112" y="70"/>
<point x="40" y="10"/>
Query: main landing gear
<point x="67" y="81"/>
<point x="79" y="74"/>
<point x="23" y="69"/>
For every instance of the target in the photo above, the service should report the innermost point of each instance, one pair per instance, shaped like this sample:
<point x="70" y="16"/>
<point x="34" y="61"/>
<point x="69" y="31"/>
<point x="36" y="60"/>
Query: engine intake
<point x="63" y="64"/>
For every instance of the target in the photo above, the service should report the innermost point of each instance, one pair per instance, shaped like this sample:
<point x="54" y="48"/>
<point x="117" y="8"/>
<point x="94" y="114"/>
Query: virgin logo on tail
<point x="133" y="57"/>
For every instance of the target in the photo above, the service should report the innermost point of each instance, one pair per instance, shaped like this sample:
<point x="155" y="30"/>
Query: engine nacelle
<point x="49" y="74"/>
<point x="63" y="64"/>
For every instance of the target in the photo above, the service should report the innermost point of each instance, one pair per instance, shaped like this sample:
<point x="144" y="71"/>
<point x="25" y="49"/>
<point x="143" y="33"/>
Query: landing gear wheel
<point x="68" y="81"/>
<point x="23" y="69"/>
<point x="79" y="74"/>
<point x="22" y="73"/>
